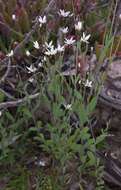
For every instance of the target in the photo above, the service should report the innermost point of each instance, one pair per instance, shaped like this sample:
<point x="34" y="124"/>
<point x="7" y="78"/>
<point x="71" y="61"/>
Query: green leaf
<point x="13" y="139"/>
<point x="26" y="112"/>
<point x="92" y="104"/>
<point x="78" y="95"/>
<point x="75" y="137"/>
<point x="57" y="111"/>
<point x="100" y="138"/>
<point x="10" y="116"/>
<point x="82" y="113"/>
<point x="92" y="159"/>
<point x="85" y="135"/>
<point x="2" y="96"/>
<point x="108" y="43"/>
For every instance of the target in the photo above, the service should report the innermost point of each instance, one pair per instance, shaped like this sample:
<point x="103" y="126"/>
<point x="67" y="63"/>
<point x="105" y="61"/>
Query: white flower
<point x="10" y="54"/>
<point x="79" y="65"/>
<point x="78" y="26"/>
<point x="65" y="30"/>
<point x="68" y="107"/>
<point x="31" y="69"/>
<point x="40" y="64"/>
<point x="119" y="16"/>
<point x="42" y="163"/>
<point x="44" y="59"/>
<point x="51" y="51"/>
<point x="69" y="41"/>
<point x="60" y="48"/>
<point x="42" y="20"/>
<point x="64" y="13"/>
<point x="28" y="53"/>
<point x="80" y="82"/>
<point x="92" y="48"/>
<point x="49" y="45"/>
<point x="88" y="83"/>
<point x="85" y="38"/>
<point x="13" y="17"/>
<point x="31" y="80"/>
<point x="36" y="45"/>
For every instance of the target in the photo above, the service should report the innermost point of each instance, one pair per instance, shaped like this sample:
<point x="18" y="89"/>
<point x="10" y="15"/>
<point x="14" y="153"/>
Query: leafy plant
<point x="67" y="136"/>
<point x="57" y="121"/>
<point x="19" y="180"/>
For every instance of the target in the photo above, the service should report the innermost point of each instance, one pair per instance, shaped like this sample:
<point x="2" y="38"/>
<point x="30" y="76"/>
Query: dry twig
<point x="7" y="71"/>
<point x="15" y="103"/>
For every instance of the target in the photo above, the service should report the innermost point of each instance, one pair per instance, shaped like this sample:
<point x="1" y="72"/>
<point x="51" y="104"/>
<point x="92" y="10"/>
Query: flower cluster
<point x="50" y="50"/>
